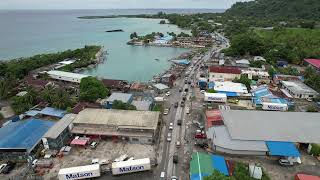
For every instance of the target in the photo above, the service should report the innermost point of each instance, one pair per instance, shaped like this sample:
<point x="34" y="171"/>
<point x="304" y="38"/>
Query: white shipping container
<point x="80" y="172"/>
<point x="215" y="97"/>
<point x="137" y="165"/>
<point x="274" y="106"/>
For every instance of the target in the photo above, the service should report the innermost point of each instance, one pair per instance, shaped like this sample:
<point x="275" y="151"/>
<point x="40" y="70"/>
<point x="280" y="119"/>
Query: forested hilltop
<point x="304" y="9"/>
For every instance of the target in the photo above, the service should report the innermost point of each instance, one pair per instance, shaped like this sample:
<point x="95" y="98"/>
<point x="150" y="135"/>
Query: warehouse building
<point x="221" y="73"/>
<point x="299" y="90"/>
<point x="66" y="76"/>
<point x="133" y="126"/>
<point x="21" y="140"/>
<point x="59" y="134"/>
<point x="229" y="88"/>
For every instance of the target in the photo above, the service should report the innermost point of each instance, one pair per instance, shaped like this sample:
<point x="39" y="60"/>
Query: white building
<point x="298" y="89"/>
<point x="230" y="88"/>
<point x="259" y="58"/>
<point x="258" y="72"/>
<point x="242" y="63"/>
<point x="220" y="73"/>
<point x="66" y="76"/>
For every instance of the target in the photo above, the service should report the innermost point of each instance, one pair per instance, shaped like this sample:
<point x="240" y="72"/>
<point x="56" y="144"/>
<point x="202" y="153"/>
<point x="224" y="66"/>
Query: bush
<point x="315" y="150"/>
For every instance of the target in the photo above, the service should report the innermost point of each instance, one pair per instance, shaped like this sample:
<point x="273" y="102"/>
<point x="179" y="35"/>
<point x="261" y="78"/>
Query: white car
<point x="93" y="145"/>
<point x="171" y="126"/>
<point x="202" y="91"/>
<point x="187" y="110"/>
<point x="168" y="93"/>
<point x="166" y="111"/>
<point x="169" y="137"/>
<point x="2" y="166"/>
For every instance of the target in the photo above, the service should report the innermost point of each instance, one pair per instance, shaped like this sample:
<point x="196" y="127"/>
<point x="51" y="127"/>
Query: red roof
<point x="223" y="69"/>
<point x="114" y="83"/>
<point x="83" y="105"/>
<point x="81" y="142"/>
<point x="214" y="118"/>
<point x="314" y="62"/>
<point x="306" y="177"/>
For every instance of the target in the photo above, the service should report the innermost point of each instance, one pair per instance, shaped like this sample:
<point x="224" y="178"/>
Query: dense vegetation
<point x="304" y="9"/>
<point x="121" y="105"/>
<point x="18" y="68"/>
<point x="91" y="89"/>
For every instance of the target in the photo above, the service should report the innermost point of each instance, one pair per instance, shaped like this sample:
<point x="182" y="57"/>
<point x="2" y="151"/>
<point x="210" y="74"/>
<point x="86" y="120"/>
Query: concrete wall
<point x="141" y="140"/>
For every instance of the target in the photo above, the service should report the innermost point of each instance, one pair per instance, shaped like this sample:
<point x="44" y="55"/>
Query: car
<point x="174" y="178"/>
<point x="178" y="144"/>
<point x="10" y="166"/>
<point x="2" y="166"/>
<point x="169" y="137"/>
<point x="309" y="99"/>
<point x="182" y="104"/>
<point x="93" y="144"/>
<point x="166" y="111"/>
<point x="200" y="136"/>
<point x="179" y="122"/>
<point x="285" y="162"/>
<point x="180" y="89"/>
<point x="202" y="91"/>
<point x="171" y="126"/>
<point x="168" y="93"/>
<point x="162" y="175"/>
<point x="187" y="110"/>
<point x="175" y="158"/>
<point x="176" y="104"/>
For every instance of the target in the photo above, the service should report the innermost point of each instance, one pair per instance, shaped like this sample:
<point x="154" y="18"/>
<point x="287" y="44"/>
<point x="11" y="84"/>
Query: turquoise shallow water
<point x="26" y="33"/>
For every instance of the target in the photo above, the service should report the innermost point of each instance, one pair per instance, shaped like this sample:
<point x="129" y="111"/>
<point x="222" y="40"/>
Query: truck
<point x="79" y="172"/>
<point x="215" y="97"/>
<point x="274" y="106"/>
<point x="125" y="167"/>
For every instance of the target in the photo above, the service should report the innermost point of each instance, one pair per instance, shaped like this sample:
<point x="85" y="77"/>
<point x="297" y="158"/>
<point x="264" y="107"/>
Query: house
<point x="298" y="89"/>
<point x="259" y="58"/>
<point x="38" y="84"/>
<point x="231" y="89"/>
<point x="256" y="72"/>
<point x="220" y="73"/>
<point x="277" y="78"/>
<point x="160" y="88"/>
<point x="116" y="96"/>
<point x="114" y="84"/>
<point x="314" y="63"/>
<point x="244" y="63"/>
<point x="83" y="105"/>
<point x="168" y="79"/>
<point x="282" y="63"/>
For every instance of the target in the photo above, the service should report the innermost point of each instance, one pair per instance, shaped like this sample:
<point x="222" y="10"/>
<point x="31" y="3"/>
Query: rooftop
<point x="314" y="62"/>
<point x="119" y="118"/>
<point x="228" y="86"/>
<point x="222" y="69"/>
<point x="113" y="83"/>
<point x="49" y="111"/>
<point x="298" y="87"/>
<point x="124" y="97"/>
<point x="243" y="61"/>
<point x="59" y="126"/>
<point x="24" y="134"/>
<point x="161" y="86"/>
<point x="142" y="105"/>
<point x="273" y="126"/>
<point x="223" y="139"/>
<point x="67" y="74"/>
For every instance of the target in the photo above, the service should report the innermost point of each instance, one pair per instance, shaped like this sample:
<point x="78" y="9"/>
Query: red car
<point x="200" y="136"/>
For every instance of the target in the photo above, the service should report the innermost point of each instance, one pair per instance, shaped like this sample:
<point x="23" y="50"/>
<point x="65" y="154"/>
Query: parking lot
<point x="108" y="150"/>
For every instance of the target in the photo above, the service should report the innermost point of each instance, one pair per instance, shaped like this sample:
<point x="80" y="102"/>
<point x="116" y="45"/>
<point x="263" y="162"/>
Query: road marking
<point x="199" y="165"/>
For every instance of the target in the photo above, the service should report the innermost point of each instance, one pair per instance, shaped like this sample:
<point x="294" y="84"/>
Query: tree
<point x="211" y="91"/>
<point x="216" y="175"/>
<point x="61" y="99"/>
<point x="91" y="89"/>
<point x="121" y="105"/>
<point x="244" y="80"/>
<point x="311" y="109"/>
<point x="162" y="21"/>
<point x="272" y="71"/>
<point x="133" y="35"/>
<point x="4" y="89"/>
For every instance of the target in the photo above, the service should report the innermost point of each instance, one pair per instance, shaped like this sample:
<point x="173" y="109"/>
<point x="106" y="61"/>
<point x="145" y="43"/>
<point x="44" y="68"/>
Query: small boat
<point x="115" y="30"/>
<point x="157" y="59"/>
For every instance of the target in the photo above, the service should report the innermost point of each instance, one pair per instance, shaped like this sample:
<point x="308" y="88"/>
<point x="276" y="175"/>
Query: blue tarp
<point x="23" y="134"/>
<point x="49" y="111"/>
<point x="219" y="163"/>
<point x="277" y="148"/>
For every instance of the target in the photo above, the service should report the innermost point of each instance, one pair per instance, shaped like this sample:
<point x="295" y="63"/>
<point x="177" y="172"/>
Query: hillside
<point x="302" y="9"/>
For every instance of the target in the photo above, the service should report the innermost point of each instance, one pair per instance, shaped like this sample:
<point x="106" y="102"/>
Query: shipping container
<point x="80" y="172"/>
<point x="215" y="97"/>
<point x="131" y="166"/>
<point x="274" y="106"/>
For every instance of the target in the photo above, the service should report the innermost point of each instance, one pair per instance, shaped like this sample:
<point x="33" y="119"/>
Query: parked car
<point x="179" y="122"/>
<point x="2" y="166"/>
<point x="166" y="111"/>
<point x="202" y="91"/>
<point x="175" y="158"/>
<point x="285" y="162"/>
<point x="10" y="166"/>
<point x="178" y="144"/>
<point x="200" y="136"/>
<point x="93" y="144"/>
<point x="187" y="110"/>
<point x="169" y="137"/>
<point x="168" y="93"/>
<point x="174" y="178"/>
<point x="162" y="175"/>
<point x="182" y="104"/>
<point x="176" y="104"/>
<point x="180" y="89"/>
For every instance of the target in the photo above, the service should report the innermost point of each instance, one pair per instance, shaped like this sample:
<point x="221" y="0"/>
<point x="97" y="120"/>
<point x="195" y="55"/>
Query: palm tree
<point x="61" y="99"/>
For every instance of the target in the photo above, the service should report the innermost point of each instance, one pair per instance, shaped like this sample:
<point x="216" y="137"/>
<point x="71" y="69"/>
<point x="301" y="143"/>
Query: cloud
<point x="114" y="4"/>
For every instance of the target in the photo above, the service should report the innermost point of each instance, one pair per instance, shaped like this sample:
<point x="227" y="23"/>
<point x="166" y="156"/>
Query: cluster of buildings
<point x="193" y="42"/>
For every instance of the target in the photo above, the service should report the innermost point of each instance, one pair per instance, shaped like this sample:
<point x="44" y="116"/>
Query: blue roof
<point x="229" y="94"/>
<point x="182" y="61"/>
<point x="24" y="134"/>
<point x="277" y="148"/>
<point x="49" y="111"/>
<point x="32" y="113"/>
<point x="211" y="85"/>
<point x="219" y="163"/>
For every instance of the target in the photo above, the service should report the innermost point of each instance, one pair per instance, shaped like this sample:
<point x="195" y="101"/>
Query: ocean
<point x="28" y="32"/>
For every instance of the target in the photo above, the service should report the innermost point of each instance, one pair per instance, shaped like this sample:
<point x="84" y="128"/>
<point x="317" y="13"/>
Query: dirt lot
<point x="109" y="150"/>
<point x="310" y="165"/>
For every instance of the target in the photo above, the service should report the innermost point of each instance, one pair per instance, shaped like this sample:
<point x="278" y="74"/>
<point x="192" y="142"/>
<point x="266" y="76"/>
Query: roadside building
<point x="116" y="96"/>
<point x="217" y="73"/>
<point x="114" y="84"/>
<point x="203" y="164"/>
<point x="142" y="105"/>
<point x="231" y="89"/>
<point x="314" y="63"/>
<point x="20" y="140"/>
<point x="256" y="72"/>
<point x="59" y="134"/>
<point x="138" y="87"/>
<point x="134" y="126"/>
<point x="161" y="88"/>
<point x="299" y="90"/>
<point x="243" y="63"/>
<point x="66" y="76"/>
<point x="277" y="78"/>
<point x="214" y="118"/>
<point x="168" y="79"/>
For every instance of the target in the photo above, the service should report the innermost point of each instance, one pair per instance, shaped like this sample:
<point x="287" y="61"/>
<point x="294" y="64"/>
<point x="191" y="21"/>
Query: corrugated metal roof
<point x="49" y="111"/>
<point x="60" y="126"/>
<point x="226" y="70"/>
<point x="282" y="149"/>
<point x="124" y="97"/>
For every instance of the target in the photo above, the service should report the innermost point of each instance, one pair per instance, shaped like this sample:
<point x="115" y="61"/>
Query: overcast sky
<point x="114" y="4"/>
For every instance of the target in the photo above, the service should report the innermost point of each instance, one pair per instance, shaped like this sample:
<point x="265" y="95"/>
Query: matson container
<point x="215" y="97"/>
<point x="137" y="165"/>
<point x="274" y="106"/>
<point x="80" y="172"/>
